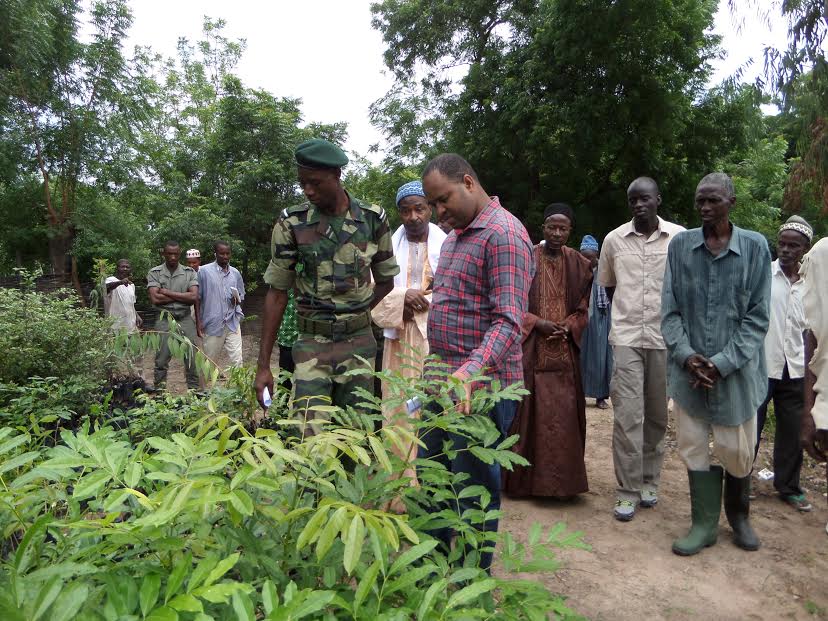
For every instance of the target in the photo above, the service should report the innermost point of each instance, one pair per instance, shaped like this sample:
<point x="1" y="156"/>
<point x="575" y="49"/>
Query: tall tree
<point x="72" y="105"/>
<point x="562" y="99"/>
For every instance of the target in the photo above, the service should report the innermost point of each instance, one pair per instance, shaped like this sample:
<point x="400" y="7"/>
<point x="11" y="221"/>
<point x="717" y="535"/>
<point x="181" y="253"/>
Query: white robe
<point x="814" y="273"/>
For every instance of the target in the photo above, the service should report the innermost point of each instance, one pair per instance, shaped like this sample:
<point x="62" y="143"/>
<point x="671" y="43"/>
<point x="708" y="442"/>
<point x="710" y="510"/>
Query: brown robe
<point x="551" y="420"/>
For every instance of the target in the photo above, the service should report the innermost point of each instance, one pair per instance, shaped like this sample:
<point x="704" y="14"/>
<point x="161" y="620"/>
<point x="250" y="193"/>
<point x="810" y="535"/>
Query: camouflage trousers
<point x="162" y="357"/>
<point x="320" y="364"/>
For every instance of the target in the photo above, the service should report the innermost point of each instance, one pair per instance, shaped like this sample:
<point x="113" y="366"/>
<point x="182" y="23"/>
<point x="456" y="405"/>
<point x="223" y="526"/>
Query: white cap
<point x="193" y="253"/>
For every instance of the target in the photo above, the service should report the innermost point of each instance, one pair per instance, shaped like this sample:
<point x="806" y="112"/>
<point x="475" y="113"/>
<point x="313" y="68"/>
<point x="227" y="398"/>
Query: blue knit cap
<point x="412" y="188"/>
<point x="589" y="243"/>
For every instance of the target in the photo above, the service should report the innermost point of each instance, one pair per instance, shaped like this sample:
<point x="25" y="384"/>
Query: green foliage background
<point x="106" y="154"/>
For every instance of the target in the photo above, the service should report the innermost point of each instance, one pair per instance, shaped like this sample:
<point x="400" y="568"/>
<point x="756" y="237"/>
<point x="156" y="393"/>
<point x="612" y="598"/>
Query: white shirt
<point x="783" y="342"/>
<point x="120" y="304"/>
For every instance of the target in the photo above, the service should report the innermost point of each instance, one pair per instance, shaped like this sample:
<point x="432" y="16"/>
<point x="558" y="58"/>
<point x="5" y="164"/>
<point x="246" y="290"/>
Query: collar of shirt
<point x="734" y="245"/>
<point x="629" y="229"/>
<point x="178" y="270"/>
<point x="776" y="270"/>
<point x="354" y="212"/>
<point x="220" y="270"/>
<point x="484" y="218"/>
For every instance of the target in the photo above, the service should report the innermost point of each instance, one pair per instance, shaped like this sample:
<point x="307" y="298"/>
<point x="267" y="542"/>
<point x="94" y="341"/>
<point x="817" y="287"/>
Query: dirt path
<point x="631" y="573"/>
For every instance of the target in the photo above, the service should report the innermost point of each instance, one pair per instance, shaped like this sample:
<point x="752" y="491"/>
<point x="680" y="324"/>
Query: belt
<point x="333" y="329"/>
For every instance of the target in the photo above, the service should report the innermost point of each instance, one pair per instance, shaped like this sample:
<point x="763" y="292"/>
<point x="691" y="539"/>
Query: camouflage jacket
<point x="332" y="275"/>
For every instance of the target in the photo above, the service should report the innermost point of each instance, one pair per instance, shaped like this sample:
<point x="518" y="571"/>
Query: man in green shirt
<point x="715" y="312"/>
<point x="173" y="288"/>
<point x="336" y="252"/>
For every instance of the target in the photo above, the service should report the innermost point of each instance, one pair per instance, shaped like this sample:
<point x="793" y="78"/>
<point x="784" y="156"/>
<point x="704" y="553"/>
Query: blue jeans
<point x="479" y="472"/>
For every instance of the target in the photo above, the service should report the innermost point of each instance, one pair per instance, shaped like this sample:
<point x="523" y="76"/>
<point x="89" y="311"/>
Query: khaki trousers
<point x="639" y="400"/>
<point x="231" y="342"/>
<point x="732" y="446"/>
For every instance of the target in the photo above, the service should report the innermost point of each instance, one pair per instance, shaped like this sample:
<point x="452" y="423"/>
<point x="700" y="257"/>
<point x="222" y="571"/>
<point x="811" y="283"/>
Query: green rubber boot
<point x="737" y="510"/>
<point x="705" y="507"/>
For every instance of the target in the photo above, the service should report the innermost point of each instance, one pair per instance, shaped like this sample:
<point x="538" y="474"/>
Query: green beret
<point x="318" y="153"/>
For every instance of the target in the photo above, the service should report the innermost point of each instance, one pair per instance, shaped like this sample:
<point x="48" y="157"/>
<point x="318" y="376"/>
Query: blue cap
<point x="589" y="243"/>
<point x="412" y="188"/>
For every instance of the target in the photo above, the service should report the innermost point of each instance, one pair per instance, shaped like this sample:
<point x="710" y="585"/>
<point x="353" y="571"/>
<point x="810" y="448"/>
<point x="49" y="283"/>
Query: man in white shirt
<point x="785" y="357"/>
<point x="119" y="301"/>
<point x="631" y="269"/>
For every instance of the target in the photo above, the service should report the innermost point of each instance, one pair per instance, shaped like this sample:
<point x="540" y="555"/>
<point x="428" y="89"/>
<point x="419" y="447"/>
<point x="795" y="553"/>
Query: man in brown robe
<point x="551" y="420"/>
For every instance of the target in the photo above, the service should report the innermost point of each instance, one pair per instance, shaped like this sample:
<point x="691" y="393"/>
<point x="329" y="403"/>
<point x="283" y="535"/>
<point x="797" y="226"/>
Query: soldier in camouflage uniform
<point x="173" y="288"/>
<point x="335" y="251"/>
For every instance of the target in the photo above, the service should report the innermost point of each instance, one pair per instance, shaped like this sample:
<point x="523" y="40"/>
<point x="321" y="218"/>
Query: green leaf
<point x="222" y="568"/>
<point x="16" y="462"/>
<point x="412" y="554"/>
<point x="202" y="569"/>
<point x="69" y="602"/>
<point x="428" y="600"/>
<point x="243" y="607"/>
<point x="14" y="442"/>
<point x="471" y="592"/>
<point x="220" y="593"/>
<point x="148" y="594"/>
<point x="380" y="453"/>
<point x="353" y="544"/>
<point x="308" y="534"/>
<point x="270" y="597"/>
<point x="535" y="533"/>
<point x="366" y="584"/>
<point x="47" y="594"/>
<point x="176" y="578"/>
<point x="185" y="603"/>
<point x="409" y="577"/>
<point x="242" y="502"/>
<point x="21" y="559"/>
<point x="163" y="613"/>
<point x="407" y="531"/>
<point x="313" y="603"/>
<point x="330" y="531"/>
<point x="90" y="484"/>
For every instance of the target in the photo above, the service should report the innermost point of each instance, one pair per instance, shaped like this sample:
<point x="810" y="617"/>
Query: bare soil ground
<point x="630" y="571"/>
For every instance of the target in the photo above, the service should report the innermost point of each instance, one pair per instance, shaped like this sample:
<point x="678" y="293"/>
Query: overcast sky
<point x="326" y="53"/>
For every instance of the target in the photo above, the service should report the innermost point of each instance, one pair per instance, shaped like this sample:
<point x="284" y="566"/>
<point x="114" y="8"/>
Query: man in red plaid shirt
<point x="481" y="289"/>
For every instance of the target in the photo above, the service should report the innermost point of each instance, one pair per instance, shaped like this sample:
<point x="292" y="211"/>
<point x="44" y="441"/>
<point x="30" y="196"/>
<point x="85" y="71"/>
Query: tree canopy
<point x="106" y="153"/>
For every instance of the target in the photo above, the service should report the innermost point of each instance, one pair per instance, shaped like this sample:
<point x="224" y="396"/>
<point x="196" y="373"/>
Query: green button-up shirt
<point x="178" y="281"/>
<point x="718" y="306"/>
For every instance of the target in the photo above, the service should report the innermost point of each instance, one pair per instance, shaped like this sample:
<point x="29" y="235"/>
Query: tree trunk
<point x="59" y="245"/>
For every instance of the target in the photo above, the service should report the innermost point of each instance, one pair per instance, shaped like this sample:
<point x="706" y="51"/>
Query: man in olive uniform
<point x="327" y="249"/>
<point x="173" y="288"/>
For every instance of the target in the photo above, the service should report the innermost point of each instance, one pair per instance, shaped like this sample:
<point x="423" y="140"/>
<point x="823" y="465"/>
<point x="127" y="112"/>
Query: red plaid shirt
<point x="481" y="291"/>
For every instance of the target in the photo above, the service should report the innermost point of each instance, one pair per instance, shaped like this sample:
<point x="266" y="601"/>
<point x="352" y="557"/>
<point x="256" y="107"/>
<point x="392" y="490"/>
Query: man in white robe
<point x="403" y="313"/>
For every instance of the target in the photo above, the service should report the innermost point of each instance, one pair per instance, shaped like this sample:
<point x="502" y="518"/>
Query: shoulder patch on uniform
<point x="297" y="208"/>
<point x="374" y="209"/>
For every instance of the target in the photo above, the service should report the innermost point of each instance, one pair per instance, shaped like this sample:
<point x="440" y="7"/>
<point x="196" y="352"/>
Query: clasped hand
<point x="703" y="373"/>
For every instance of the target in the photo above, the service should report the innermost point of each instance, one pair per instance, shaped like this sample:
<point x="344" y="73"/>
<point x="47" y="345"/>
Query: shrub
<point x="50" y="335"/>
<point x="220" y="523"/>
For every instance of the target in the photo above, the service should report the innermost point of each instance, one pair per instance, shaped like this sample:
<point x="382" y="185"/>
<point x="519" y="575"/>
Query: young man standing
<point x="631" y="269"/>
<point x="173" y="288"/>
<point x="221" y="292"/>
<point x="335" y="251"/>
